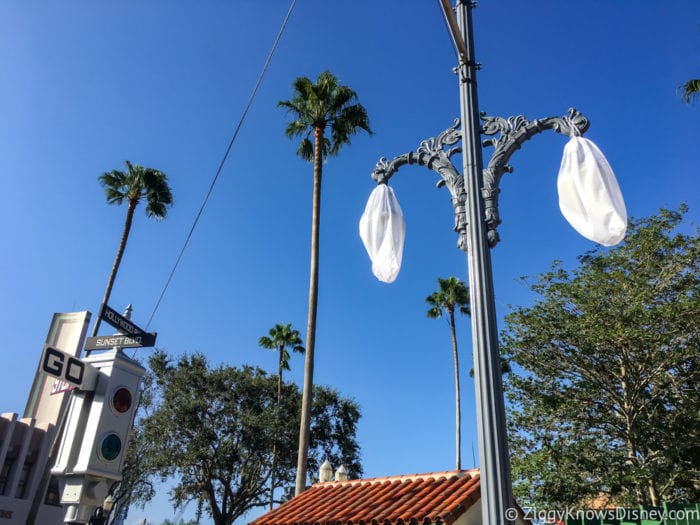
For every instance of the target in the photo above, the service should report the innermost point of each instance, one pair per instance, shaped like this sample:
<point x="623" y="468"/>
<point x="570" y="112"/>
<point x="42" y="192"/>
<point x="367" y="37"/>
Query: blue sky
<point x="88" y="85"/>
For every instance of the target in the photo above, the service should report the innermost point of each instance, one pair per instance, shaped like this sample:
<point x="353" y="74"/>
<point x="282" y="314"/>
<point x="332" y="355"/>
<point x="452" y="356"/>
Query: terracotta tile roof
<point x="438" y="497"/>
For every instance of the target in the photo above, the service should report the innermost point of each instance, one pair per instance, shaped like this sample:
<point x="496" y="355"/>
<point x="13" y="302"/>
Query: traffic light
<point x="110" y="417"/>
<point x="96" y="435"/>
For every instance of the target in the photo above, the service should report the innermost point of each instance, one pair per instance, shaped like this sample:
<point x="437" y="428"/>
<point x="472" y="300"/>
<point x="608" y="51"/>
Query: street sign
<point x="68" y="368"/>
<point x="120" y="322"/>
<point x="120" y="341"/>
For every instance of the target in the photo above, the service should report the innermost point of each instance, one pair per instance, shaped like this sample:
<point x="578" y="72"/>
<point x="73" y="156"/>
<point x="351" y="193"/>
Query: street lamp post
<point x="475" y="200"/>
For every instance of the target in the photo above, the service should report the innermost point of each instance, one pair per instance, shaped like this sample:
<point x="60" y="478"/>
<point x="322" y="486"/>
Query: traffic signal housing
<point x="96" y="435"/>
<point x="111" y="415"/>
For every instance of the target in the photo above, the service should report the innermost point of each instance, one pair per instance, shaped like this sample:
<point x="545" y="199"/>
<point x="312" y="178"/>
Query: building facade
<point x="29" y="494"/>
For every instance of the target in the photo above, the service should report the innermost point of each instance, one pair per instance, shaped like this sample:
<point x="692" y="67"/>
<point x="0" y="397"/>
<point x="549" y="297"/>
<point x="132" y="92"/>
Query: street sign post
<point x="103" y="342"/>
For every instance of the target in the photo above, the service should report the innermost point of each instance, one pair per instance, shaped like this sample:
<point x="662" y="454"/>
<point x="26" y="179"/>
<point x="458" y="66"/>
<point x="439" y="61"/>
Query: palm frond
<point x="281" y="337"/>
<point x="690" y="91"/>
<point x="157" y="193"/>
<point x="323" y="103"/>
<point x="297" y="128"/>
<point x="306" y="150"/>
<point x="452" y="294"/>
<point x="342" y="96"/>
<point x="302" y="86"/>
<point x="266" y="342"/>
<point x="136" y="183"/>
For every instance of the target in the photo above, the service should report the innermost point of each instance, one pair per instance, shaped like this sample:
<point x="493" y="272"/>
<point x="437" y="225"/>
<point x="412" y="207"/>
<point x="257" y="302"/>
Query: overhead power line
<point x="223" y="160"/>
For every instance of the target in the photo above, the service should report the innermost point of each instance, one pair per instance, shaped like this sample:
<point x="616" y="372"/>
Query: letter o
<point x="72" y="365"/>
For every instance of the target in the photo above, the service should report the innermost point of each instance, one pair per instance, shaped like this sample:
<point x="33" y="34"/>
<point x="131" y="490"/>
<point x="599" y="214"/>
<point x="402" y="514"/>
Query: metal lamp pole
<point x="475" y="200"/>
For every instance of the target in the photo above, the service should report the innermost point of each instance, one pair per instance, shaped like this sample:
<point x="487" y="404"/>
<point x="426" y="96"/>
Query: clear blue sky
<point x="86" y="85"/>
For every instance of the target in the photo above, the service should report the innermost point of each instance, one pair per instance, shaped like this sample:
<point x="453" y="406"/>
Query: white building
<point x="25" y="487"/>
<point x="28" y="493"/>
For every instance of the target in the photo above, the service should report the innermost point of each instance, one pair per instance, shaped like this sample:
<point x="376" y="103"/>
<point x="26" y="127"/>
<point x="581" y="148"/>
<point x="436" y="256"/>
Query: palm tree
<point x="281" y="338"/>
<point x="315" y="108"/>
<point x="452" y="296"/>
<point x="133" y="185"/>
<point x="690" y="91"/>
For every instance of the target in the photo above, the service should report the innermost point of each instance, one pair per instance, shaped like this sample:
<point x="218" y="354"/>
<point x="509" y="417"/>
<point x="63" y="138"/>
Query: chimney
<point x="325" y="473"/>
<point x="341" y="474"/>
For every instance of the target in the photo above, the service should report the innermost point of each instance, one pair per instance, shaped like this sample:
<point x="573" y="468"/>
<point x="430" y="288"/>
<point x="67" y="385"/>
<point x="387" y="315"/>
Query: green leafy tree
<point x="690" y="91"/>
<point x="604" y="390"/>
<point x="214" y="428"/>
<point x="132" y="186"/>
<point x="333" y="432"/>
<point x="452" y="297"/>
<point x="281" y="338"/>
<point x="319" y="109"/>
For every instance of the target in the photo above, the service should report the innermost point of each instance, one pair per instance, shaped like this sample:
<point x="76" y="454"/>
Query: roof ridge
<point x="401" y="477"/>
<point x="432" y="498"/>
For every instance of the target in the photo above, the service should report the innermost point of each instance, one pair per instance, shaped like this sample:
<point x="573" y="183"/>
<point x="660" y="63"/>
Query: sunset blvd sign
<point x="120" y="341"/>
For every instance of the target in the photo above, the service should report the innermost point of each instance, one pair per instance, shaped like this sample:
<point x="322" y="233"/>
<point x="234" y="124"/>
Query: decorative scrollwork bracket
<point x="512" y="132"/>
<point x="435" y="154"/>
<point x="507" y="137"/>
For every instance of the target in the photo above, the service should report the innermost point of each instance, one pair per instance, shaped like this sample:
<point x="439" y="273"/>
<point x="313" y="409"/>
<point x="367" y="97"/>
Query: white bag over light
<point x="383" y="230"/>
<point x="589" y="196"/>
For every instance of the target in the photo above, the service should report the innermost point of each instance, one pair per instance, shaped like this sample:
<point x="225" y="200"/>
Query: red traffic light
<point x="121" y="400"/>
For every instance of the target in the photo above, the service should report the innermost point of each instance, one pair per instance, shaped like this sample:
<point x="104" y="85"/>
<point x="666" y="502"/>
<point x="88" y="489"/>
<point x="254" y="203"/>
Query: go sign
<point x="68" y="368"/>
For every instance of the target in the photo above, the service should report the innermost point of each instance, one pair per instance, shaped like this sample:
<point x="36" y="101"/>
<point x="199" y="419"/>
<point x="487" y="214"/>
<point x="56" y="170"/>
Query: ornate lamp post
<point x="475" y="200"/>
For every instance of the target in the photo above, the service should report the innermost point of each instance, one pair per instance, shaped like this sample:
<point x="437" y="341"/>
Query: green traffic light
<point x="110" y="447"/>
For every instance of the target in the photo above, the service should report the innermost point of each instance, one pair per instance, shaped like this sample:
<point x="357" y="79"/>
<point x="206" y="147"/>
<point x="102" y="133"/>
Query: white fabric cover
<point x="383" y="230"/>
<point x="589" y="196"/>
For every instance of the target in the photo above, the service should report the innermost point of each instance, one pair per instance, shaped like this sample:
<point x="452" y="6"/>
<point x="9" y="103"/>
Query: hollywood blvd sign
<point x="131" y="335"/>
<point x="120" y="322"/>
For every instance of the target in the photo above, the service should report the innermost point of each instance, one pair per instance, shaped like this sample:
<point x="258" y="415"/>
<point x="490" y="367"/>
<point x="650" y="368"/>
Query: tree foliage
<point x="321" y="104"/>
<point x="690" y="91"/>
<point x="213" y="431"/>
<point x="605" y="396"/>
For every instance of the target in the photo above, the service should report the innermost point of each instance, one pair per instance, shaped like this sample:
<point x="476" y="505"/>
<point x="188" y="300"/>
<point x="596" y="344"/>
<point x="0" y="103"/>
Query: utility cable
<point x="223" y="160"/>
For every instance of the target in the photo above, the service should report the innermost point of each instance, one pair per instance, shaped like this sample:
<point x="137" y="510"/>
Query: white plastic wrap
<point x="383" y="230"/>
<point x="589" y="196"/>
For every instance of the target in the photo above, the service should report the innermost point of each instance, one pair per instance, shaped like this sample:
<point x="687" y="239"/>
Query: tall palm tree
<point x="318" y="107"/>
<point x="281" y="338"/>
<point x="133" y="185"/>
<point x="451" y="297"/>
<point x="690" y="91"/>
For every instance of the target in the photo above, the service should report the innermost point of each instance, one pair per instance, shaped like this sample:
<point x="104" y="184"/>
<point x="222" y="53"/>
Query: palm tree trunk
<point x="277" y="429"/>
<point x="307" y="393"/>
<point x="131" y="207"/>
<point x="458" y="411"/>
